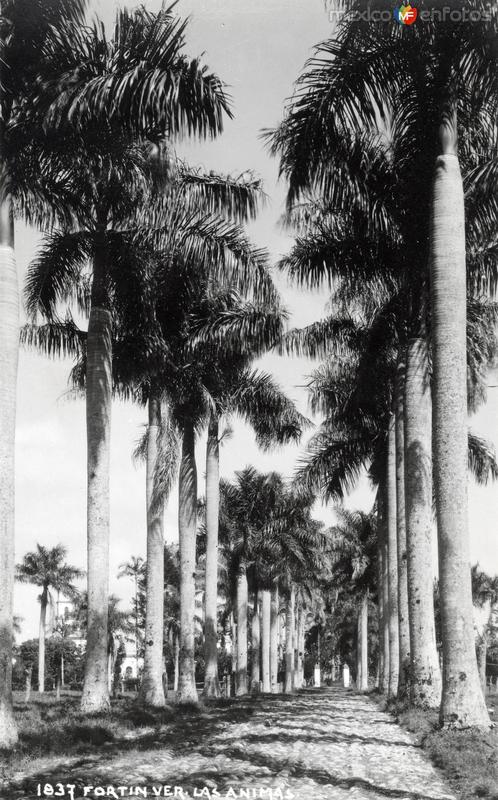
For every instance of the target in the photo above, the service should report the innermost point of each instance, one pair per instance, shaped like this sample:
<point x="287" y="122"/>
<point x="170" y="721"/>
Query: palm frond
<point x="482" y="459"/>
<point x="59" y="338"/>
<point x="57" y="274"/>
<point x="138" y="78"/>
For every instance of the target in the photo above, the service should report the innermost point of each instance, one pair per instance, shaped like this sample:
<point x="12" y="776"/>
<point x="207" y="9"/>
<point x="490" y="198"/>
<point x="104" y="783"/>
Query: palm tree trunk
<point x="289" y="642"/>
<point x="265" y="639"/>
<point x="274" y="640"/>
<point x="403" y="613"/>
<point x="95" y="695"/>
<point x="392" y="556"/>
<point x="9" y="349"/>
<point x="364" y="643"/>
<point x="29" y="673"/>
<point x="111" y="655"/>
<point x="255" y="643"/>
<point x="317" y="677"/>
<point x="384" y="589"/>
<point x="300" y="646"/>
<point x="135" y="601"/>
<point x="359" y="643"/>
<point x="151" y="690"/>
<point x="41" y="640"/>
<point x="211" y="681"/>
<point x="482" y="652"/>
<point x="425" y="674"/>
<point x="380" y="605"/>
<point x="187" y="526"/>
<point x="462" y="701"/>
<point x="241" y="676"/>
<point x="176" y="656"/>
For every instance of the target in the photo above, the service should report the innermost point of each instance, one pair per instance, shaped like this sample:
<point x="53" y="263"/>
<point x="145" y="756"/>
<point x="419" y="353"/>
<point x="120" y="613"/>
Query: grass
<point x="468" y="758"/>
<point x="53" y="735"/>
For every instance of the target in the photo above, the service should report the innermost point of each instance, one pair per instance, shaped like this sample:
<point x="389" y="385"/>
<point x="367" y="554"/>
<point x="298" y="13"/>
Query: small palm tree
<point x="47" y="568"/>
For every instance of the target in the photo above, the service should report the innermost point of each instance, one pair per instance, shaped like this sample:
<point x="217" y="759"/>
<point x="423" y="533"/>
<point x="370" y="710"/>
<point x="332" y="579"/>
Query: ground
<point x="318" y="745"/>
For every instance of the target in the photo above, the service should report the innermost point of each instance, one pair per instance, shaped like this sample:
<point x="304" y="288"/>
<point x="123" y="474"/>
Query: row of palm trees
<point x="270" y="549"/>
<point x="270" y="558"/>
<point x="148" y="249"/>
<point x="383" y="214"/>
<point x="154" y="253"/>
<point x="180" y="304"/>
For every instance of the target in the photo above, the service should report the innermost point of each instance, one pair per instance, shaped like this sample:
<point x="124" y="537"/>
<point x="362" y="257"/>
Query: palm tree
<point x="146" y="51"/>
<point x="47" y="569"/>
<point x="25" y="27"/>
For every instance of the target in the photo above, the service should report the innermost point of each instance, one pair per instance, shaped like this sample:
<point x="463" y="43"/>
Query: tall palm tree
<point x="48" y="569"/>
<point x="25" y="26"/>
<point x="109" y="86"/>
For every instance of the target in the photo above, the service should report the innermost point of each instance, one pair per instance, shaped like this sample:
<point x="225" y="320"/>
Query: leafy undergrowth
<point x="468" y="758"/>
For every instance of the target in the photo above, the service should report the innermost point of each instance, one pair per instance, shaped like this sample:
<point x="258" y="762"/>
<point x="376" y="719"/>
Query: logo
<point x="405" y="15"/>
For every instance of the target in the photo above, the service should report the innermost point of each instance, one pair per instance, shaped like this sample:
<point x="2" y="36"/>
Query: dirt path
<point x="324" y="745"/>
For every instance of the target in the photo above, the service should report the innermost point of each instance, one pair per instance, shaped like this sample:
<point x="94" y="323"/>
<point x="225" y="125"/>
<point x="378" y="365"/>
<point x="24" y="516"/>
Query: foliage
<point x="56" y="648"/>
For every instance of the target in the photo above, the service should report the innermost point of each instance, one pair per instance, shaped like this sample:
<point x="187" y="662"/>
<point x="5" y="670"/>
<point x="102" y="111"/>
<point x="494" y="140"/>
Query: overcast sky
<point x="258" y="47"/>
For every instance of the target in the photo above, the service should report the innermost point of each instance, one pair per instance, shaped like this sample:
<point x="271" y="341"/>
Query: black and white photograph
<point x="249" y="399"/>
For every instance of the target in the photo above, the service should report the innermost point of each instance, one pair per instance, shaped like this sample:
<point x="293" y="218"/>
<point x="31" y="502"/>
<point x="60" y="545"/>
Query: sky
<point x="258" y="48"/>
